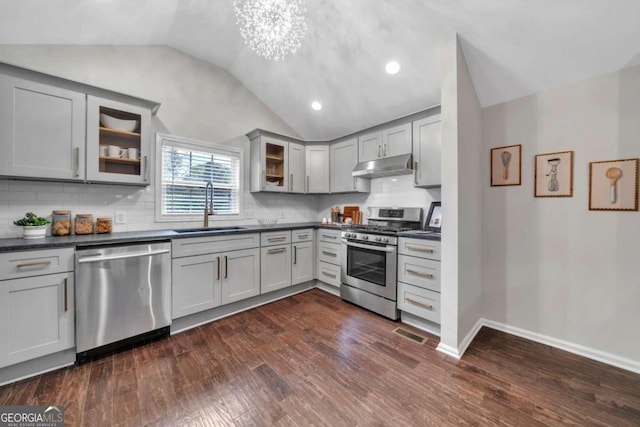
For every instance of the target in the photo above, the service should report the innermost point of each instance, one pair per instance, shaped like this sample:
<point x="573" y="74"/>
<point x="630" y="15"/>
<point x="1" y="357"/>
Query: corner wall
<point x="554" y="269"/>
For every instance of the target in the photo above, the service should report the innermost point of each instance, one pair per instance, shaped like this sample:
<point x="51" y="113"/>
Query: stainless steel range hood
<point x="386" y="166"/>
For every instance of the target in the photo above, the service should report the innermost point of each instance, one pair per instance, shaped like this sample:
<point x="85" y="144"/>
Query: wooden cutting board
<point x="349" y="211"/>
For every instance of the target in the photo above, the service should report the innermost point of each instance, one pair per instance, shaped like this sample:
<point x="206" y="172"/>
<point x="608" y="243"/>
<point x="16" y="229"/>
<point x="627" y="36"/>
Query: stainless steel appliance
<point x="369" y="258"/>
<point x="123" y="294"/>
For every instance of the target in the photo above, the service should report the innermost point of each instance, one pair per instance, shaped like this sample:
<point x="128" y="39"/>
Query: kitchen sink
<point x="208" y="230"/>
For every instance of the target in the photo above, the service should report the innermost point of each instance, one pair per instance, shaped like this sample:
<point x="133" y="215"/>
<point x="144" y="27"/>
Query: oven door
<point x="370" y="267"/>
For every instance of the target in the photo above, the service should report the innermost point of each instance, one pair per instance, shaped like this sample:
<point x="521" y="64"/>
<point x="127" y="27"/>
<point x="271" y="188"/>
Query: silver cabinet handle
<point x="276" y="250"/>
<point x="226" y="267"/>
<point x="329" y="274"/>
<point x="34" y="264"/>
<point x="276" y="238"/>
<point x="384" y="150"/>
<point x="420" y="249"/>
<point x="330" y="253"/>
<point x="100" y="258"/>
<point x="146" y="169"/>
<point x="264" y="179"/>
<point x="76" y="153"/>
<point x="420" y="273"/>
<point x="418" y="303"/>
<point x="379" y="147"/>
<point x="66" y="307"/>
<point x="415" y="173"/>
<point x="329" y="236"/>
<point x="302" y="236"/>
<point x="291" y="182"/>
<point x="355" y="186"/>
<point x="307" y="184"/>
<point x="295" y="254"/>
<point x="218" y="262"/>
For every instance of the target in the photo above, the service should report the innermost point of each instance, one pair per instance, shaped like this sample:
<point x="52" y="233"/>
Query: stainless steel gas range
<point x="370" y="258"/>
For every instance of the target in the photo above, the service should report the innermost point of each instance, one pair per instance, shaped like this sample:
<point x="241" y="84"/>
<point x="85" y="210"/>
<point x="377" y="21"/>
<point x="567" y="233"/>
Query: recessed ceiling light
<point x="316" y="105"/>
<point x="392" y="67"/>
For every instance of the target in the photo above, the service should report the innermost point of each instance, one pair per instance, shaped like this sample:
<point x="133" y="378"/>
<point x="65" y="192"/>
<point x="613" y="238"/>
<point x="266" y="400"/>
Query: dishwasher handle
<point x="100" y="258"/>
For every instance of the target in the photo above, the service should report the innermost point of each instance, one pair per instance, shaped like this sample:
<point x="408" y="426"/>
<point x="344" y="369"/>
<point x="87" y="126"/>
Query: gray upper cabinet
<point x="269" y="164"/>
<point x="396" y="140"/>
<point x="317" y="166"/>
<point x="370" y="146"/>
<point x="42" y="130"/>
<point x="343" y="158"/>
<point x="297" y="176"/>
<point x="427" y="134"/>
<point x="131" y="165"/>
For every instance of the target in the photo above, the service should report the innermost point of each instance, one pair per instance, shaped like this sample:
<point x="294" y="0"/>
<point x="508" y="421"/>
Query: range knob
<point x="385" y="240"/>
<point x="365" y="237"/>
<point x="378" y="239"/>
<point x="349" y="235"/>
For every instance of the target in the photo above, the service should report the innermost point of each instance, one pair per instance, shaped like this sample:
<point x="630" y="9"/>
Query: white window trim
<point x="196" y="144"/>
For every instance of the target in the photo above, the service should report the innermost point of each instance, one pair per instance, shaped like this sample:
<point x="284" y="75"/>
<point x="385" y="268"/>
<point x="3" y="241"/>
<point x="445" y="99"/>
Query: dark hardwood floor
<point x="312" y="359"/>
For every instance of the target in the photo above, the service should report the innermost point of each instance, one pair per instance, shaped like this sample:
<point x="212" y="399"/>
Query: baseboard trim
<point x="448" y="350"/>
<point x="462" y="348"/>
<point x="328" y="288"/>
<point x="418" y="323"/>
<point x="580" y="350"/>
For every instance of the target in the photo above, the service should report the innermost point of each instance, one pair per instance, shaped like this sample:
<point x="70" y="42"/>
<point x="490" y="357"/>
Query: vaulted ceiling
<point x="513" y="48"/>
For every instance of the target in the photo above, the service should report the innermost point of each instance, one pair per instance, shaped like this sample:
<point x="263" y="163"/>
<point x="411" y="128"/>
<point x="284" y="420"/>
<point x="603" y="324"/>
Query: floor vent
<point x="410" y="335"/>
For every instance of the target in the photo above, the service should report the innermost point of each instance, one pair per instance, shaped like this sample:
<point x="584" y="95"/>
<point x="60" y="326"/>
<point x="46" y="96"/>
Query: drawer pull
<point x="329" y="236"/>
<point x="276" y="250"/>
<point x="420" y="249"/>
<point x="420" y="273"/>
<point x="65" y="294"/>
<point x="276" y="239"/>
<point x="329" y="274"/>
<point x="419" y="304"/>
<point x="302" y="236"/>
<point x="34" y="264"/>
<point x="329" y="253"/>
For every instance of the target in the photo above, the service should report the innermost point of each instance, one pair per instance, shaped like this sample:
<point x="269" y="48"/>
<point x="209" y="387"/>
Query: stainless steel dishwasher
<point x="123" y="295"/>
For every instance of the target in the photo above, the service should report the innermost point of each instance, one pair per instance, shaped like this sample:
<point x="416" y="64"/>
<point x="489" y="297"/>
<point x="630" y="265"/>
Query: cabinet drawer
<point x="329" y="273"/>
<point x="275" y="238"/>
<point x="421" y="272"/>
<point x="418" y="247"/>
<point x="329" y="252"/>
<point x="302" y="235"/>
<point x="14" y="265"/>
<point x="210" y="244"/>
<point x="421" y="302"/>
<point x="325" y="235"/>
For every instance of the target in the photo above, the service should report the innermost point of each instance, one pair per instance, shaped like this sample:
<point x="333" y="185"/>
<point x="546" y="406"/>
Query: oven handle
<point x="372" y="247"/>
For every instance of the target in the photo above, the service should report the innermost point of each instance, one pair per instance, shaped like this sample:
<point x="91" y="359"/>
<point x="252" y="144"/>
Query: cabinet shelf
<point x="272" y="157"/>
<point x="119" y="132"/>
<point x="275" y="176"/>
<point x="120" y="160"/>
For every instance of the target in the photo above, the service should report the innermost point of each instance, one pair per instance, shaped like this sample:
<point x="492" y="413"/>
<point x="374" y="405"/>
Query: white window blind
<point x="187" y="168"/>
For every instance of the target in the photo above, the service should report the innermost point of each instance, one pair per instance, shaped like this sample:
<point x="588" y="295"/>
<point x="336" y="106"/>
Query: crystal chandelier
<point x="271" y="28"/>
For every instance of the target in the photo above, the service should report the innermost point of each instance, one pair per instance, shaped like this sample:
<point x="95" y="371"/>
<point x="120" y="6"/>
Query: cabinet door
<point x="317" y="162"/>
<point x="369" y="146"/>
<point x="42" y="130"/>
<point x="36" y="317"/>
<point x="115" y="152"/>
<point x="427" y="136"/>
<point x="241" y="278"/>
<point x="303" y="263"/>
<point x="396" y="140"/>
<point x="274" y="164"/>
<point x="296" y="168"/>
<point x="343" y="159"/>
<point x="275" y="268"/>
<point x="195" y="284"/>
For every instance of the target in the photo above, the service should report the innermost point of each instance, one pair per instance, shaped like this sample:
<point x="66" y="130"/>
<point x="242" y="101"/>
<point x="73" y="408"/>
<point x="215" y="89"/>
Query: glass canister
<point x="103" y="225"/>
<point x="60" y="223"/>
<point x="84" y="224"/>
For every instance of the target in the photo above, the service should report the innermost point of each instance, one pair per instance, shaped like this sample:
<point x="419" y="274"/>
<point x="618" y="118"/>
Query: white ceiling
<point x="513" y="48"/>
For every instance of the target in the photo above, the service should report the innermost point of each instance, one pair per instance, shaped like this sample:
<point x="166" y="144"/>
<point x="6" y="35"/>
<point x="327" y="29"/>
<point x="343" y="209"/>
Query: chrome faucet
<point x="208" y="203"/>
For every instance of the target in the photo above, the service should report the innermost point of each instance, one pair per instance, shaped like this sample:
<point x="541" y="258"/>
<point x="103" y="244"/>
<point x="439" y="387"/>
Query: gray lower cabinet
<point x="303" y="262"/>
<point x="275" y="267"/>
<point x="329" y="256"/>
<point x="196" y="284"/>
<point x="37" y="317"/>
<point x="240" y="275"/>
<point x="42" y="130"/>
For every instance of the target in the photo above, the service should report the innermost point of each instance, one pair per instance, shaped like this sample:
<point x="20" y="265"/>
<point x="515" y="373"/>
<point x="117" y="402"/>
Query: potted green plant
<point x="33" y="226"/>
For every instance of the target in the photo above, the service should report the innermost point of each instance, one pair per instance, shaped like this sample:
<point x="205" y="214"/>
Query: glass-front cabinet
<point x="269" y="164"/>
<point x="118" y="142"/>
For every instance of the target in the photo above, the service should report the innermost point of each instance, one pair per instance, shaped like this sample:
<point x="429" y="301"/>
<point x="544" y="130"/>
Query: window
<point x="186" y="167"/>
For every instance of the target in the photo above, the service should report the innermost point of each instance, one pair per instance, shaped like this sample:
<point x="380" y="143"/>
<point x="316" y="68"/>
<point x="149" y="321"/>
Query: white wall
<point x="388" y="191"/>
<point x="199" y="101"/>
<point x="553" y="267"/>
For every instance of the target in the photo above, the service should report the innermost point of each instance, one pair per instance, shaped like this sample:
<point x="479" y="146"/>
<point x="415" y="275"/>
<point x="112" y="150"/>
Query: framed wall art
<point x="554" y="174"/>
<point x="613" y="185"/>
<point x="506" y="165"/>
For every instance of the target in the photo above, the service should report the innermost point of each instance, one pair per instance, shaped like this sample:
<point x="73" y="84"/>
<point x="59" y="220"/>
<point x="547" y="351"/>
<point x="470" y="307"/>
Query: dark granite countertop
<point x="19" y="244"/>
<point x="424" y="235"/>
